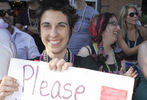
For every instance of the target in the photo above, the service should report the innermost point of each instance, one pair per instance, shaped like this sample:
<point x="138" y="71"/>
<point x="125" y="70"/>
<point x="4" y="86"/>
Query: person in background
<point x="131" y="34"/>
<point x="139" y="14"/>
<point x="57" y="19"/>
<point x="7" y="47"/>
<point x="81" y="34"/>
<point x="25" y="44"/>
<point x="27" y="20"/>
<point x="141" y="90"/>
<point x="104" y="29"/>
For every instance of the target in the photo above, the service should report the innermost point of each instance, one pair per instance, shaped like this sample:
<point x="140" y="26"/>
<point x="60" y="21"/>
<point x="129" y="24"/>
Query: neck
<point x="59" y="55"/>
<point x="80" y="5"/>
<point x="130" y="26"/>
<point x="107" y="47"/>
<point x="11" y="29"/>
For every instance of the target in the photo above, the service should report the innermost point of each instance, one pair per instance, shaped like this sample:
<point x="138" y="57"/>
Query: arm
<point x="125" y="48"/>
<point x="84" y="51"/>
<point x="142" y="58"/>
<point x="32" y="49"/>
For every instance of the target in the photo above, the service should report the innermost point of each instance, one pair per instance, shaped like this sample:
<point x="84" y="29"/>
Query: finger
<point x="8" y="78"/>
<point x="8" y="89"/>
<point x="130" y="69"/>
<point x="67" y="65"/>
<point x="121" y="71"/>
<point x="4" y="94"/>
<point x="10" y="83"/>
<point x="134" y="74"/>
<point x="101" y="68"/>
<point x="59" y="64"/>
<point x="52" y="64"/>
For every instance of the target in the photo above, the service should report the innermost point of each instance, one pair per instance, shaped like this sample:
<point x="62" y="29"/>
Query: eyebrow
<point x="45" y="23"/>
<point x="58" y="23"/>
<point x="63" y="23"/>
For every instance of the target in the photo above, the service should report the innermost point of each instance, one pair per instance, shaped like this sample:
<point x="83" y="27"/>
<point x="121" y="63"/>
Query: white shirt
<point x="25" y="45"/>
<point x="7" y="50"/>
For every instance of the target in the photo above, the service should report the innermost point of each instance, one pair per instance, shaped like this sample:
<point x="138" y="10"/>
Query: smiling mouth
<point x="54" y="42"/>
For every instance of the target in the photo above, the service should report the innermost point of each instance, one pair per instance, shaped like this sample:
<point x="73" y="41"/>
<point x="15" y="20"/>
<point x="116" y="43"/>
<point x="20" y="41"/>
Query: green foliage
<point x="143" y="19"/>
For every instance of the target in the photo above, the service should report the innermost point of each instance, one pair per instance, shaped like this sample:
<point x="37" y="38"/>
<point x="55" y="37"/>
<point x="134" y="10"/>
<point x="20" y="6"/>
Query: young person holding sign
<point x="57" y="20"/>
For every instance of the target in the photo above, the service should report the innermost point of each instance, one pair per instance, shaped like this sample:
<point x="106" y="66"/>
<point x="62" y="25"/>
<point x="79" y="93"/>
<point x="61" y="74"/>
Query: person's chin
<point x="55" y="49"/>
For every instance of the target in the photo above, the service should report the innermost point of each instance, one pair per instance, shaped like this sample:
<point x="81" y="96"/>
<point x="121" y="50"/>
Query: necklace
<point x="97" y="51"/>
<point x="69" y="57"/>
<point x="115" y="62"/>
<point x="98" y="48"/>
<point x="95" y="48"/>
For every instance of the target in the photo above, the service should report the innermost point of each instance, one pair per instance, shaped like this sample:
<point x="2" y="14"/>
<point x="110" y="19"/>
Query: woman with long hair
<point x="131" y="34"/>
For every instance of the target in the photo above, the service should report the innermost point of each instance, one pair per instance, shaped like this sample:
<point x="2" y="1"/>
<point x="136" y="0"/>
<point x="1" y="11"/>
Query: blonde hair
<point x="122" y="19"/>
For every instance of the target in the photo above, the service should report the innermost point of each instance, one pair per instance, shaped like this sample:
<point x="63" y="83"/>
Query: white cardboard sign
<point x="37" y="82"/>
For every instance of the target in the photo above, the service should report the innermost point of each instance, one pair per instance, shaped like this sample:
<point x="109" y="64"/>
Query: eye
<point x="46" y="26"/>
<point x="61" y="26"/>
<point x="113" y="23"/>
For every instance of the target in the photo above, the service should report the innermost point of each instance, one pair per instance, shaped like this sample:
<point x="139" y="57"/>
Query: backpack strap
<point x="93" y="50"/>
<point x="89" y="49"/>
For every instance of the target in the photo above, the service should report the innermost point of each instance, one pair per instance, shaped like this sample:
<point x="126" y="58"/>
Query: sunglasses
<point x="10" y="12"/>
<point x="133" y="13"/>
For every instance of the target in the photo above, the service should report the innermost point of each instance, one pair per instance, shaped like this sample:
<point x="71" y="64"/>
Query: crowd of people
<point x="62" y="35"/>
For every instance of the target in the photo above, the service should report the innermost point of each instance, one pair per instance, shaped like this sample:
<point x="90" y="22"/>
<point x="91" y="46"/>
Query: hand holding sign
<point x="7" y="86"/>
<point x="57" y="64"/>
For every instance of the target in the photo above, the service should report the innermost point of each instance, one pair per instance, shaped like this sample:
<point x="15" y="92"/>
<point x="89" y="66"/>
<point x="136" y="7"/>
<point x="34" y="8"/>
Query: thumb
<point x="121" y="71"/>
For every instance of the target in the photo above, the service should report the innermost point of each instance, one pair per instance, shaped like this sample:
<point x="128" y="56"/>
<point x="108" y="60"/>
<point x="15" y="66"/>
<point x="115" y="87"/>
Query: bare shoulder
<point x="84" y="51"/>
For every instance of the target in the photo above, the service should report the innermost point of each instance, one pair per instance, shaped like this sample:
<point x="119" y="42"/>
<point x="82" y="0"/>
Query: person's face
<point x="7" y="13"/>
<point x="139" y="11"/>
<point x="112" y="30"/>
<point x="132" y="16"/>
<point x="54" y="29"/>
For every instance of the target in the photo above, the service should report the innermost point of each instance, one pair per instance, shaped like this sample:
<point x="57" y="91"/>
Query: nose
<point x="135" y="15"/>
<point x="53" y="32"/>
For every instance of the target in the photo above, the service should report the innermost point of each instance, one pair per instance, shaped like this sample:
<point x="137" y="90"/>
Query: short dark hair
<point x="60" y="5"/>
